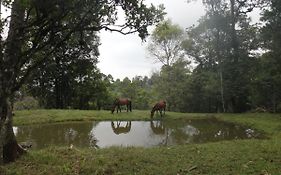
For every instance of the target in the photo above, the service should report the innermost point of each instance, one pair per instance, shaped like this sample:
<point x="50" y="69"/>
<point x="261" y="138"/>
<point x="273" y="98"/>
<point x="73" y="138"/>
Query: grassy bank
<point x="225" y="157"/>
<point x="50" y="116"/>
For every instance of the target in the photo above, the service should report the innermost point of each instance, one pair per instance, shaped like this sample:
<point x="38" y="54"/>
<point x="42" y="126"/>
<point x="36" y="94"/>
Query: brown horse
<point x="160" y="106"/>
<point x="120" y="102"/>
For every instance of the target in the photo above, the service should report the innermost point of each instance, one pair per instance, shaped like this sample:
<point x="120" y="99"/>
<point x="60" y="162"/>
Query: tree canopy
<point x="225" y="63"/>
<point x="58" y="35"/>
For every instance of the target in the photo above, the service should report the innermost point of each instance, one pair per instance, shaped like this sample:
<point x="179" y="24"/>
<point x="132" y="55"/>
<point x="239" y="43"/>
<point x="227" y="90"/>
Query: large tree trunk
<point x="9" y="148"/>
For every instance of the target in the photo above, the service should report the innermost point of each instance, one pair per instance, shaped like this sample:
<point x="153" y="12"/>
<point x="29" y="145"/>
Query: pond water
<point x="132" y="133"/>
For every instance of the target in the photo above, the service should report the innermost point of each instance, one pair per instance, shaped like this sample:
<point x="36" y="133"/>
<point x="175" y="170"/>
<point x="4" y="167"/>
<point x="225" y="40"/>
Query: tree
<point x="222" y="43"/>
<point x="165" y="43"/>
<point x="269" y="74"/>
<point x="54" y="82"/>
<point x="170" y="83"/>
<point x="38" y="28"/>
<point x="166" y="47"/>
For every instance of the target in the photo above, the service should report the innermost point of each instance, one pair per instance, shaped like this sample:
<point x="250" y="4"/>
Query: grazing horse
<point x="160" y="106"/>
<point x="120" y="102"/>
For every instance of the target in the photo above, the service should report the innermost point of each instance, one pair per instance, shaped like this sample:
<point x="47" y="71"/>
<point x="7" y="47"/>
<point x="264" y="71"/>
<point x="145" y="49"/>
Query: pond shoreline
<point x="154" y="133"/>
<point x="224" y="157"/>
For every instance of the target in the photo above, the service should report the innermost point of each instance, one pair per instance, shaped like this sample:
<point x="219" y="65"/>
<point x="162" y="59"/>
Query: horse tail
<point x="130" y="105"/>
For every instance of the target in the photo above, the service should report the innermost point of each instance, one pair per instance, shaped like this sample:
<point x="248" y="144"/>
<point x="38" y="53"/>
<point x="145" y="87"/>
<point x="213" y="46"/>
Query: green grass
<point x="226" y="157"/>
<point x="28" y="117"/>
<point x="49" y="116"/>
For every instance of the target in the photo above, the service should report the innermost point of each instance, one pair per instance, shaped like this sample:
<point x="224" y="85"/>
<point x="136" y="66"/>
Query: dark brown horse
<point x="120" y="102"/>
<point x="160" y="106"/>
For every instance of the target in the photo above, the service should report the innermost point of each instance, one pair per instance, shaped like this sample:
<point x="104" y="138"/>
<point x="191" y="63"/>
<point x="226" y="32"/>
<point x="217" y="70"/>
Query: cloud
<point x="125" y="56"/>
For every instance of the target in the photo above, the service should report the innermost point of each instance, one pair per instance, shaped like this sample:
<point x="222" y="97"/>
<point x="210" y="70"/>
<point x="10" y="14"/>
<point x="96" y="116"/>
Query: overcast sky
<point x="125" y="56"/>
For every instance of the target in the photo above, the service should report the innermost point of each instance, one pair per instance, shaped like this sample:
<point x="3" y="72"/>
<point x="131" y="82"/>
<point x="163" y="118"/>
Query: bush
<point x="26" y="103"/>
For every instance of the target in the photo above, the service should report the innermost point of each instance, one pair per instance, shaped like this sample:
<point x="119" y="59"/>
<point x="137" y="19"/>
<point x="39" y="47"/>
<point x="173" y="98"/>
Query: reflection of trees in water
<point x="57" y="134"/>
<point x="205" y="130"/>
<point x="93" y="140"/>
<point x="121" y="127"/>
<point x="169" y="132"/>
<point x="198" y="131"/>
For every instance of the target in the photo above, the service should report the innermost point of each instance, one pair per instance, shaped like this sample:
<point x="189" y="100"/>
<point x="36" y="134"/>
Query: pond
<point x="132" y="133"/>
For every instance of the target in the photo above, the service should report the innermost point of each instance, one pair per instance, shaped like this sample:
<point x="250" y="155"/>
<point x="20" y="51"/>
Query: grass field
<point x="226" y="157"/>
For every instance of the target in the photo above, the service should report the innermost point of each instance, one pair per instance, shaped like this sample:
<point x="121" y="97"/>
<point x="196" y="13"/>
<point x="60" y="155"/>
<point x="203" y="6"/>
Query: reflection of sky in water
<point x="15" y="129"/>
<point x="135" y="133"/>
<point x="190" y="130"/>
<point x="139" y="135"/>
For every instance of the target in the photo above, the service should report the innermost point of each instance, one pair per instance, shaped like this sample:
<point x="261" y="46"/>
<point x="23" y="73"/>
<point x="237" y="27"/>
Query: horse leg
<point x="119" y="107"/>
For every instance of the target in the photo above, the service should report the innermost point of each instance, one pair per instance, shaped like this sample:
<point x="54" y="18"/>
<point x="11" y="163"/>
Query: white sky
<point x="125" y="56"/>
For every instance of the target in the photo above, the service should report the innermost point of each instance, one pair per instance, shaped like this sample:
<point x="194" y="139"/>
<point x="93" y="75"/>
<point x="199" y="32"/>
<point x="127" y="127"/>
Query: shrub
<point x="27" y="102"/>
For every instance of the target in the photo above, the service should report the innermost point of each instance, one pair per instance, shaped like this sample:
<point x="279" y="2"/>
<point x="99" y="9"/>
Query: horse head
<point x="160" y="106"/>
<point x="115" y="103"/>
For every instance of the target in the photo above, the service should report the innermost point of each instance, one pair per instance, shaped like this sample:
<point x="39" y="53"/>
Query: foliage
<point x="236" y="65"/>
<point x="270" y="62"/>
<point x="170" y="85"/>
<point x="165" y="43"/>
<point x="27" y="102"/>
<point x="38" y="33"/>
<point x="137" y="89"/>
<point x="221" y="44"/>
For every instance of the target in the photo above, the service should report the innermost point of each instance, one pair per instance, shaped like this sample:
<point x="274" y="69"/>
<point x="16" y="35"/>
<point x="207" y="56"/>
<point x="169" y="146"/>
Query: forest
<point x="50" y="49"/>
<point x="225" y="63"/>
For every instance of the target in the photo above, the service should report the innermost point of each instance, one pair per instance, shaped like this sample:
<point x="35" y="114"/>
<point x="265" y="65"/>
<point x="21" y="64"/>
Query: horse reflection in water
<point x="160" y="106"/>
<point x="157" y="127"/>
<point x="118" y="102"/>
<point x="119" y="129"/>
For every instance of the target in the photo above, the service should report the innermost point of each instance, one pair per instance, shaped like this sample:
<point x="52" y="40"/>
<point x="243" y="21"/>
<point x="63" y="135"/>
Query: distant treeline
<point x="237" y="67"/>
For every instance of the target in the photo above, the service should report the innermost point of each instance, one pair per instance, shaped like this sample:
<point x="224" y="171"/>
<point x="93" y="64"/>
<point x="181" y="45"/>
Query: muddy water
<point x="132" y="133"/>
